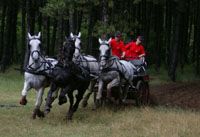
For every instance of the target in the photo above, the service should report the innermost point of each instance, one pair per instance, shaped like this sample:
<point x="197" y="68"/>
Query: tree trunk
<point x="184" y="33"/>
<point x="197" y="40"/>
<point x="176" y="39"/>
<point x="31" y="5"/>
<point x="104" y="4"/>
<point x="9" y="34"/>
<point x="48" y="35"/>
<point x="158" y="30"/>
<point x="14" y="47"/>
<point x="23" y="33"/>
<point x="71" y="18"/>
<point x="53" y="39"/>
<point x="168" y="29"/>
<point x="2" y="29"/>
<point x="40" y="4"/>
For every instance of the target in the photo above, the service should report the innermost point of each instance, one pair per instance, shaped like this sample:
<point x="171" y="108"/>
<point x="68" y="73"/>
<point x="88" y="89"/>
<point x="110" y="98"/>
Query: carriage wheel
<point x="142" y="96"/>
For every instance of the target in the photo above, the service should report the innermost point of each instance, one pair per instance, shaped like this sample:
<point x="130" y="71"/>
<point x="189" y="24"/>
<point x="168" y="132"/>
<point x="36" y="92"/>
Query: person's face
<point x="117" y="38"/>
<point x="138" y="41"/>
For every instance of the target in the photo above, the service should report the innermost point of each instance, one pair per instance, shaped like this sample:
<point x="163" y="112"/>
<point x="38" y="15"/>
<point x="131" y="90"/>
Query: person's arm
<point x="123" y="49"/>
<point x="142" y="53"/>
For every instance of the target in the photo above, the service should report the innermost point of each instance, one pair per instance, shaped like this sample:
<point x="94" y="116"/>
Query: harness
<point x="46" y="64"/>
<point x="115" y="65"/>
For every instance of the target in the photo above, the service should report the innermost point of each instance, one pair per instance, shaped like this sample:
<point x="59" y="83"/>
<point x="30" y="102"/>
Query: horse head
<point x="105" y="52"/>
<point x="77" y="39"/>
<point x="34" y="46"/>
<point x="66" y="51"/>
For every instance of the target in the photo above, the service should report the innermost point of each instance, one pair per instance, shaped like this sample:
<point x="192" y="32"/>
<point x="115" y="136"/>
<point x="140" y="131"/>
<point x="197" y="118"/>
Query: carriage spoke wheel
<point x="142" y="96"/>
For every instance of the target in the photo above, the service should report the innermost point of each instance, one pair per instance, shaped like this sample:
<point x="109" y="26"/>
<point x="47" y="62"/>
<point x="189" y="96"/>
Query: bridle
<point x="36" y="70"/>
<point x="106" y="56"/>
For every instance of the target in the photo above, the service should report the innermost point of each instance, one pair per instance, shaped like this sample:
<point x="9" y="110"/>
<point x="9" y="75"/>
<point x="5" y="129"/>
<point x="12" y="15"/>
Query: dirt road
<point x="184" y="95"/>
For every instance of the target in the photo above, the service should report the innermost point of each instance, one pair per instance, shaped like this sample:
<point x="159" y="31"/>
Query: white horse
<point x="112" y="71"/>
<point x="33" y="76"/>
<point x="88" y="62"/>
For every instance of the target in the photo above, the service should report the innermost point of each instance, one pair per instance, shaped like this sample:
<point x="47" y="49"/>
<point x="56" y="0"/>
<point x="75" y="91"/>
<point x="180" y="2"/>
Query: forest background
<point x="171" y="28"/>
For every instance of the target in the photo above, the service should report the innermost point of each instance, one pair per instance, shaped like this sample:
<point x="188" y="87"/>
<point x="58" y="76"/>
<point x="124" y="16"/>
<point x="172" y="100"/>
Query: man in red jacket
<point x="134" y="50"/>
<point x="117" y="46"/>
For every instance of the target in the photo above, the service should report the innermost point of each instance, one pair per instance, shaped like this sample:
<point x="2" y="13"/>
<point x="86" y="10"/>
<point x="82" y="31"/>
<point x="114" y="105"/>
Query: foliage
<point x="54" y="8"/>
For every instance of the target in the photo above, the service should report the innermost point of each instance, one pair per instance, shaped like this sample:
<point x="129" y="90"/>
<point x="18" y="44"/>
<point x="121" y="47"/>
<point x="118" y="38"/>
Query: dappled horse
<point x="112" y="72"/>
<point x="34" y="70"/>
<point x="69" y="77"/>
<point x="88" y="62"/>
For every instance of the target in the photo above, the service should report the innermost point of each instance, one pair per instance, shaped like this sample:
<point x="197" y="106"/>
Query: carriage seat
<point x="140" y="66"/>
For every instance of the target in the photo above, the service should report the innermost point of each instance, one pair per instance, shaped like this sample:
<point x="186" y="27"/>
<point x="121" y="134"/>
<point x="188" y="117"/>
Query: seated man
<point x="117" y="46"/>
<point x="134" y="52"/>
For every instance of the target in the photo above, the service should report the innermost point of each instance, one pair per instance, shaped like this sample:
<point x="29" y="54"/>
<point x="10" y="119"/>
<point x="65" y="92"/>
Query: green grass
<point x="126" y="122"/>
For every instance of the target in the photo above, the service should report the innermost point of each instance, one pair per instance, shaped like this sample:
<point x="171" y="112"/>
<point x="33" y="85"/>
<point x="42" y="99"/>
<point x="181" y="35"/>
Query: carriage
<point x="140" y="91"/>
<point x="133" y="83"/>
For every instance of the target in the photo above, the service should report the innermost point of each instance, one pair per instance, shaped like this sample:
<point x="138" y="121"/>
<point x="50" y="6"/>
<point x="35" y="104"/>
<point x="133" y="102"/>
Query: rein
<point x="118" y="67"/>
<point x="44" y="63"/>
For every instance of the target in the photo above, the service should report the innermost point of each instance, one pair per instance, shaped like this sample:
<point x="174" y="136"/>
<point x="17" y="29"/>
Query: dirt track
<point x="185" y="95"/>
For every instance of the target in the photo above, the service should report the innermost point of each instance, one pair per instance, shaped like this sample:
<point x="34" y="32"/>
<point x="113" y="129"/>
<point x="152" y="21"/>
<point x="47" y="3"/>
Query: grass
<point x="126" y="122"/>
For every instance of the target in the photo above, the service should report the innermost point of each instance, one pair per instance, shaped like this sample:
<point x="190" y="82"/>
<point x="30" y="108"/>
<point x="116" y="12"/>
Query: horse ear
<point x="100" y="41"/>
<point x="79" y="34"/>
<point x="71" y="35"/>
<point x="109" y="40"/>
<point x="29" y="36"/>
<point x="39" y="35"/>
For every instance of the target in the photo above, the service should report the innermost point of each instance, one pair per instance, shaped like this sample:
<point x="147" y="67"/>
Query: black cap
<point x="118" y="34"/>
<point x="141" y="38"/>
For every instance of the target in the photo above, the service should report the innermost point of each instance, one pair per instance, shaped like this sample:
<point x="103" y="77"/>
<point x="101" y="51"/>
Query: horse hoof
<point x="34" y="116"/>
<point x="62" y="100"/>
<point x="46" y="112"/>
<point x="84" y="104"/>
<point x="40" y="114"/>
<point x="23" y="101"/>
<point x="98" y="103"/>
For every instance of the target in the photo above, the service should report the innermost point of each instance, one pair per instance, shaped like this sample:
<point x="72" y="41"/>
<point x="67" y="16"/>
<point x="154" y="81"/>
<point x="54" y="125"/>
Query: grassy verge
<point x="127" y="122"/>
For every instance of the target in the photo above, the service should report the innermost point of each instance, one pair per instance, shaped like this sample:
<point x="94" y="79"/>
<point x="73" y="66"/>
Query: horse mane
<point x="66" y="52"/>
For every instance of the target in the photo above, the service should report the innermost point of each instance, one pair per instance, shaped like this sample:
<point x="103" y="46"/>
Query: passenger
<point x="134" y="50"/>
<point x="117" y="46"/>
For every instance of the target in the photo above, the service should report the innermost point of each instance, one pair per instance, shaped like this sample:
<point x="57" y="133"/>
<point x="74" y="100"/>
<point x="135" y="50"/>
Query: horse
<point x="69" y="77"/>
<point x="88" y="62"/>
<point x="113" y="71"/>
<point x="33" y="76"/>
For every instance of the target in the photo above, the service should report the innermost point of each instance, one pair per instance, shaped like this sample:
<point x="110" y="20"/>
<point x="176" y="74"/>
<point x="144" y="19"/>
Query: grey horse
<point x="88" y="62"/>
<point x="33" y="77"/>
<point x="113" y="72"/>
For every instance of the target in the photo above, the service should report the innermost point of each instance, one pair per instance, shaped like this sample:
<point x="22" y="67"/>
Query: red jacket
<point x="117" y="47"/>
<point x="133" y="51"/>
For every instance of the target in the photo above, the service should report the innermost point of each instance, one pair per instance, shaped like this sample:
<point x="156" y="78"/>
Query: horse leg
<point x="62" y="97"/>
<point x="49" y="99"/>
<point x="115" y="82"/>
<point x="38" y="103"/>
<point x="25" y="90"/>
<point x="99" y="93"/>
<point x="125" y="92"/>
<point x="54" y="95"/>
<point x="74" y="107"/>
<point x="71" y="101"/>
<point x="91" y="87"/>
